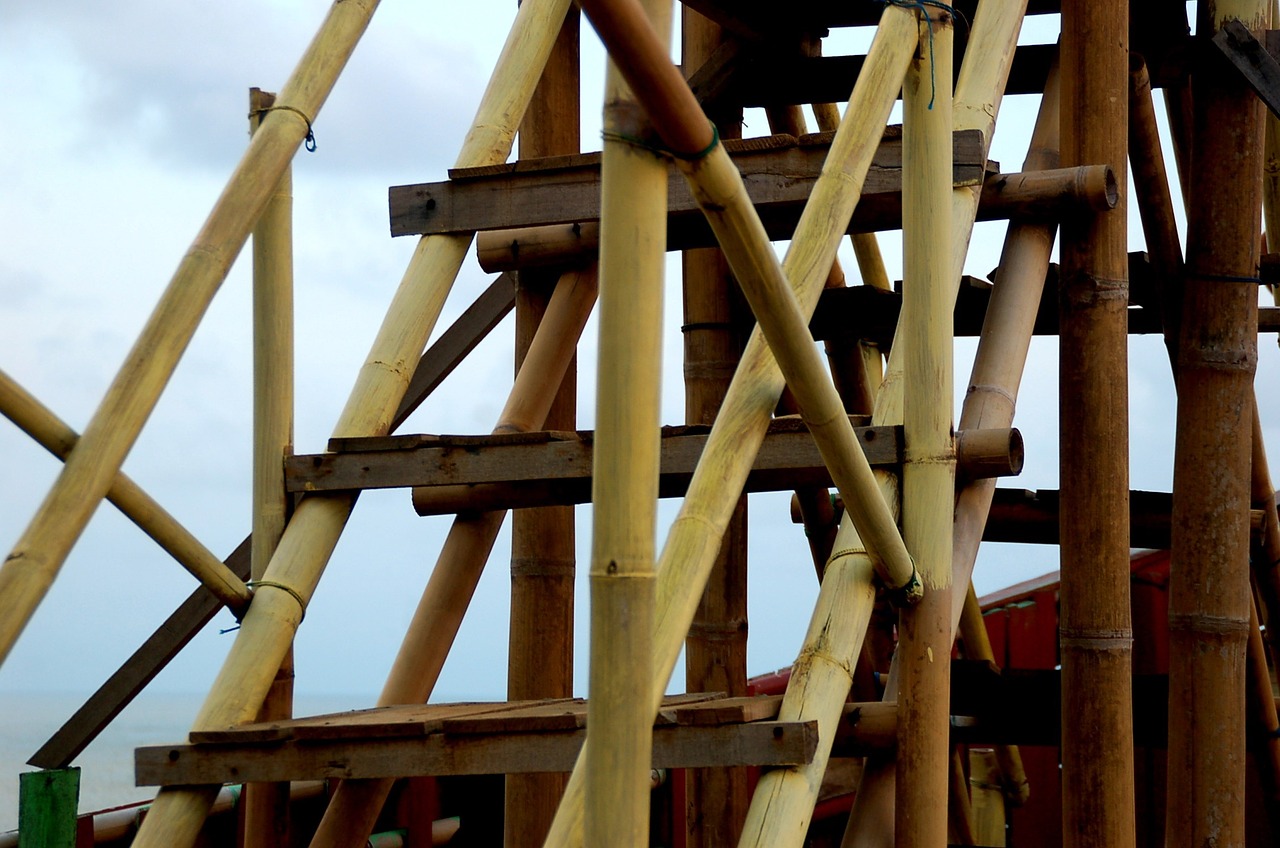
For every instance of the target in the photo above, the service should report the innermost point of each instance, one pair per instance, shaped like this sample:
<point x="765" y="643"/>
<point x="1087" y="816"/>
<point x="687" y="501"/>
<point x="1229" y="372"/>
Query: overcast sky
<point x="123" y="121"/>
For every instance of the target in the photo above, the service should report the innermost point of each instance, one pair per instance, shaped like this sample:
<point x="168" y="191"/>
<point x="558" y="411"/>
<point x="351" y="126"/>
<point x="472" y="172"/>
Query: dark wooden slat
<point x="455" y="343"/>
<point x="765" y="19"/>
<point x="788" y="455"/>
<point x="145" y="663"/>
<point x="761" y="743"/>
<point x="1248" y="56"/>
<point x="778" y="172"/>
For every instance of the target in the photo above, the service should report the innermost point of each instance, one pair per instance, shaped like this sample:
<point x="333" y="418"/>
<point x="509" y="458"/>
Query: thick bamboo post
<point x="92" y="466"/>
<point x="1209" y="587"/>
<point x="998" y="364"/>
<point x="266" y="821"/>
<point x="317" y="523"/>
<point x="624" y="489"/>
<point x="716" y="648"/>
<point x="928" y="470"/>
<point x="1096" y="642"/>
<point x="540" y="652"/>
<point x="53" y="434"/>
<point x="356" y="803"/>
<point x="695" y="535"/>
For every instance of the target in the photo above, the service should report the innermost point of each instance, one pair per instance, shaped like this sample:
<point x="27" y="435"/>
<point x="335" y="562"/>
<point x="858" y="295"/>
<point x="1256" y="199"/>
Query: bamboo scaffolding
<point x="267" y="806"/>
<point x="716" y="647"/>
<point x="993" y="385"/>
<point x="540" y="643"/>
<point x="354" y="808"/>
<point x="928" y="472"/>
<point x="317" y="523"/>
<point x="695" y="535"/>
<point x="624" y="489"/>
<point x="38" y="422"/>
<point x="93" y="464"/>
<point x="1209" y="589"/>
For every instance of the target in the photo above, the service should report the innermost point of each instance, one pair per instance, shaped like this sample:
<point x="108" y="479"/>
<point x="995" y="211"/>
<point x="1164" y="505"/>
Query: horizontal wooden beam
<point x="766" y="743"/>
<point x="778" y="171"/>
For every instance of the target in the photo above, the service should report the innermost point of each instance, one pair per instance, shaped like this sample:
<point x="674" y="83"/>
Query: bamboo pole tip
<point x="1101" y="186"/>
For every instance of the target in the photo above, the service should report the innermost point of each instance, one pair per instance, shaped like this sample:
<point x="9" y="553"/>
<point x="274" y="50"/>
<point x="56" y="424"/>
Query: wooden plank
<point x="778" y="172"/>
<point x="142" y="666"/>
<point x="729" y="711"/>
<point x="47" y="802"/>
<point x="759" y="743"/>
<point x="765" y="19"/>
<point x="570" y="714"/>
<point x="1248" y="56"/>
<point x="787" y="458"/>
<point x="455" y="343"/>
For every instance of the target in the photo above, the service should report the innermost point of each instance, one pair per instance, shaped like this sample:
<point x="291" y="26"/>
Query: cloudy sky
<point x="123" y="121"/>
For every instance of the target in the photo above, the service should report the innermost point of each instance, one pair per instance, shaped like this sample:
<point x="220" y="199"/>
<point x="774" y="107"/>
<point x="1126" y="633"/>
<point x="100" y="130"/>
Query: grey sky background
<point x="122" y="122"/>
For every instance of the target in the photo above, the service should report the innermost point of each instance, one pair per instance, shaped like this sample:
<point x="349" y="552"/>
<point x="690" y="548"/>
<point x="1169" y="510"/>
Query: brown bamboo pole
<point x="1096" y="641"/>
<point x="960" y="813"/>
<point x="312" y="533"/>
<point x="266" y="805"/>
<point x="695" y="535"/>
<point x="540" y="645"/>
<point x="1209" y="587"/>
<point x="38" y="422"/>
<point x="998" y="363"/>
<point x="351" y="814"/>
<point x="716" y="647"/>
<point x="92" y="466"/>
<point x="928" y="469"/>
<point x="624" y="489"/>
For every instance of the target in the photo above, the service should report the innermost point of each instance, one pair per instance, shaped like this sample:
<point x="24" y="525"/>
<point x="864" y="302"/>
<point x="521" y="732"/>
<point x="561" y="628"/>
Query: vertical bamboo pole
<point x="92" y="466"/>
<point x="625" y="467"/>
<point x="1209" y="588"/>
<point x="928" y="470"/>
<point x="695" y="535"/>
<point x="266" y="821"/>
<point x="355" y="806"/>
<point x="1095" y="633"/>
<point x="309" y="540"/>
<point x="716" y="648"/>
<point x="540" y="663"/>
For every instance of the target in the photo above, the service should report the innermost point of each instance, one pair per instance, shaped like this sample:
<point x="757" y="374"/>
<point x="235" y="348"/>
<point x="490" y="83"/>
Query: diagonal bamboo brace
<point x="38" y="422"/>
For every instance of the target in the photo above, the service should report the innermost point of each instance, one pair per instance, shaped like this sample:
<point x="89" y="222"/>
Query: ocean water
<point x="27" y="720"/>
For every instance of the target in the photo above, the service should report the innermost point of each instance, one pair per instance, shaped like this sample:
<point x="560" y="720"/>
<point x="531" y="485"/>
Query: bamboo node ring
<point x="302" y="605"/>
<point x="309" y="141"/>
<point x="662" y="149"/>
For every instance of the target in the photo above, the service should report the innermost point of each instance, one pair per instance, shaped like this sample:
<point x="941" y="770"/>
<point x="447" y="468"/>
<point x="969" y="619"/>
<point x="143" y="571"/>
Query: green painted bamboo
<point x="47" y="803"/>
<point x="624" y="489"/>
<point x="266" y="805"/>
<point x="92" y="467"/>
<point x="928" y="470"/>
<point x="34" y="419"/>
<point x="313" y="531"/>
<point x="713" y="492"/>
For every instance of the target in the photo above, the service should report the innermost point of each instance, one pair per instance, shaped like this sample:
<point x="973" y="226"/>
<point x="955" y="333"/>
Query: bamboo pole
<point x="633" y="203"/>
<point x="312" y="533"/>
<point x="1209" y="589"/>
<point x="998" y="363"/>
<point x="93" y="465"/>
<point x="266" y="805"/>
<point x="38" y="422"/>
<point x="1096" y="640"/>
<point x="928" y="469"/>
<point x="540" y="645"/>
<point x="716" y="647"/>
<point x="695" y="535"/>
<point x="355" y="806"/>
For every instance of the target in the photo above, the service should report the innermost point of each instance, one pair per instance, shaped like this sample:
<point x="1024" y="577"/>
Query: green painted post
<point x="47" y="803"/>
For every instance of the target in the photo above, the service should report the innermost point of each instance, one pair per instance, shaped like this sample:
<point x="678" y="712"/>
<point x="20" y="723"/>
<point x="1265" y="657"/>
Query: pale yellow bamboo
<point x="694" y="539"/>
<point x="354" y="808"/>
<point x="266" y="805"/>
<point x="978" y="93"/>
<point x="928" y="470"/>
<point x="34" y="419"/>
<point x="987" y="798"/>
<point x="92" y="466"/>
<point x="633" y="207"/>
<point x="717" y="186"/>
<point x="313" y="531"/>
